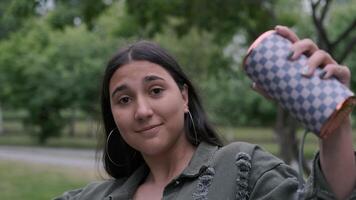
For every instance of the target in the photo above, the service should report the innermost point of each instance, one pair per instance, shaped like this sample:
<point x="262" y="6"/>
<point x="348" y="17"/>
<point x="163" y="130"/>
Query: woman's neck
<point x="165" y="167"/>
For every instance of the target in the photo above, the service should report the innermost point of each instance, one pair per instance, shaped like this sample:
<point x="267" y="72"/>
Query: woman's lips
<point x="149" y="129"/>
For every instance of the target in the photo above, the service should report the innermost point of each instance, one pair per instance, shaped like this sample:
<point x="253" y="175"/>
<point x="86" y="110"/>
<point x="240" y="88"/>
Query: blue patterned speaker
<point x="319" y="104"/>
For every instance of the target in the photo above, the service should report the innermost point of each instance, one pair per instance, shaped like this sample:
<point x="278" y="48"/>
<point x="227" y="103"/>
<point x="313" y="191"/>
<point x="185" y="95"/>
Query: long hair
<point x="127" y="159"/>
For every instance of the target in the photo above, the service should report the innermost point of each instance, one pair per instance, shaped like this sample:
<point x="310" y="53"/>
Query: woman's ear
<point x="185" y="97"/>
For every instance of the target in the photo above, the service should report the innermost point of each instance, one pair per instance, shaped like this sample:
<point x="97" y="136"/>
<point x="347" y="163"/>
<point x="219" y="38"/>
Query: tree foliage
<point x="14" y="14"/>
<point x="45" y="72"/>
<point x="66" y="12"/>
<point x="224" y="18"/>
<point x="51" y="58"/>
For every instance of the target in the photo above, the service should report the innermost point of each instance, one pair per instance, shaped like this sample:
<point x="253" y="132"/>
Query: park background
<point x="53" y="53"/>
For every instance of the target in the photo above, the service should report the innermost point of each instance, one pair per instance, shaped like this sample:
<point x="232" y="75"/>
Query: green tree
<point x="45" y="72"/>
<point x="73" y="12"/>
<point x="223" y="18"/>
<point x="14" y="14"/>
<point x="49" y="65"/>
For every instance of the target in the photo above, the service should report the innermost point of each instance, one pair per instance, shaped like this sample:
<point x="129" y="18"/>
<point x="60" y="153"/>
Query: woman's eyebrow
<point x="146" y="79"/>
<point x="152" y="78"/>
<point x="119" y="89"/>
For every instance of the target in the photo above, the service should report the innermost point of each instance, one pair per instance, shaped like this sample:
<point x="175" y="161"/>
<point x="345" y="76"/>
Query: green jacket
<point x="236" y="171"/>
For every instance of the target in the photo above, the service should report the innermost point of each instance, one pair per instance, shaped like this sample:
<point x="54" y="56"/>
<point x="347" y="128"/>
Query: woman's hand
<point x="317" y="57"/>
<point x="336" y="152"/>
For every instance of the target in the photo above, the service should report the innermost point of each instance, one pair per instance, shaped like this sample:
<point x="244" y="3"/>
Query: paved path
<point x="56" y="156"/>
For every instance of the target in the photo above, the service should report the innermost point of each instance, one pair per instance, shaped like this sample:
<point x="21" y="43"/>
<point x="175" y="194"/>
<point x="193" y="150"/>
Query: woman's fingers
<point x="287" y="33"/>
<point x="303" y="46"/>
<point x="342" y="73"/>
<point x="318" y="58"/>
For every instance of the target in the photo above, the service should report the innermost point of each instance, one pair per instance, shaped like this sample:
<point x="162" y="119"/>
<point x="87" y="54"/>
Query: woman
<point x="160" y="145"/>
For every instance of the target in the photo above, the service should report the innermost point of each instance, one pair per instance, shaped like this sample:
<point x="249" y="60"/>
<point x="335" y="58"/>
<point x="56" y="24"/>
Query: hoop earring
<point x="195" y="132"/>
<point x="107" y="150"/>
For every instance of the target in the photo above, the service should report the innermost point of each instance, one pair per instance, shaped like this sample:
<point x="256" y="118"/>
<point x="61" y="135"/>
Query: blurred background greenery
<point x="38" y="181"/>
<point x="53" y="53"/>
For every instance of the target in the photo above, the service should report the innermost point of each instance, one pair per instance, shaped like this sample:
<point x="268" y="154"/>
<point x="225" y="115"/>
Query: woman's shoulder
<point x="238" y="147"/>
<point x="251" y="164"/>
<point x="253" y="151"/>
<point x="94" y="190"/>
<point x="247" y="154"/>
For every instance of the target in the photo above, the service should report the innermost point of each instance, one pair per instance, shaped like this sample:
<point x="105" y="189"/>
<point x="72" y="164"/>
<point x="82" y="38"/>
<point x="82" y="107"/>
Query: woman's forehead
<point x="140" y="68"/>
<point x="141" y="71"/>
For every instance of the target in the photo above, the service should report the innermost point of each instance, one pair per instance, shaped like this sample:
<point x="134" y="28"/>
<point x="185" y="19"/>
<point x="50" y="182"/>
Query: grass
<point x="257" y="135"/>
<point x="37" y="181"/>
<point x="85" y="136"/>
<point x="65" y="141"/>
<point x="265" y="138"/>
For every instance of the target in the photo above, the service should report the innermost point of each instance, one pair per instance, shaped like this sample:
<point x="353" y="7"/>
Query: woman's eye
<point x="124" y="100"/>
<point x="156" y="91"/>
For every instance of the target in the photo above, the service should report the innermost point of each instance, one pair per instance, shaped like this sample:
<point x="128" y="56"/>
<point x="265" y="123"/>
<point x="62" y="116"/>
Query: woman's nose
<point x="143" y="109"/>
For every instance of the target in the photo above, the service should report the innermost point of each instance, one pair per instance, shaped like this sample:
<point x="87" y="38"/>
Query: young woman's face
<point x="148" y="107"/>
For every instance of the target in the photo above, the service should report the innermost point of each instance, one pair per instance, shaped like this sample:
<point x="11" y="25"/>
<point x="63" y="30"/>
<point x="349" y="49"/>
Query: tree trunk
<point x="285" y="131"/>
<point x="1" y="122"/>
<point x="72" y="119"/>
<point x="90" y="127"/>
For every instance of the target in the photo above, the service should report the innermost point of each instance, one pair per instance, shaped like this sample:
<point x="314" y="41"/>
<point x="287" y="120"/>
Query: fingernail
<point x="322" y="74"/>
<point x="305" y="71"/>
<point x="290" y="54"/>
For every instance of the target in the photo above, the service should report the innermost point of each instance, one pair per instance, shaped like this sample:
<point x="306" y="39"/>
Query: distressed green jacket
<point x="237" y="171"/>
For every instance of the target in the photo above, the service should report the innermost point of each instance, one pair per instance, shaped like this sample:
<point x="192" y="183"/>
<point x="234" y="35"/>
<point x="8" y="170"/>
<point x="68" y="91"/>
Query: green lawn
<point x="36" y="182"/>
<point x="266" y="139"/>
<point x="65" y="141"/>
<point x="257" y="135"/>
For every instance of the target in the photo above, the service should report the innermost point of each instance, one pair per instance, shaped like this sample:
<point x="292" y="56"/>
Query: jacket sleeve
<point x="317" y="187"/>
<point x="272" y="179"/>
<point x="70" y="195"/>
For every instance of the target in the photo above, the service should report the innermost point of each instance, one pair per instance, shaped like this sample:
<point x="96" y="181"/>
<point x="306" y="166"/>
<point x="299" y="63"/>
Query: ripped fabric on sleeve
<point x="203" y="184"/>
<point x="243" y="164"/>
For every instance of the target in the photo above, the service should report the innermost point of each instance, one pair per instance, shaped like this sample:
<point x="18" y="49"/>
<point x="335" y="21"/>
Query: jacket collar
<point x="200" y="161"/>
<point x="127" y="189"/>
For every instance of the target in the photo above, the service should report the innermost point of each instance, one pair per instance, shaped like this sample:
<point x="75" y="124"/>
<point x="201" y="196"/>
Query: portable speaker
<point x="318" y="104"/>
